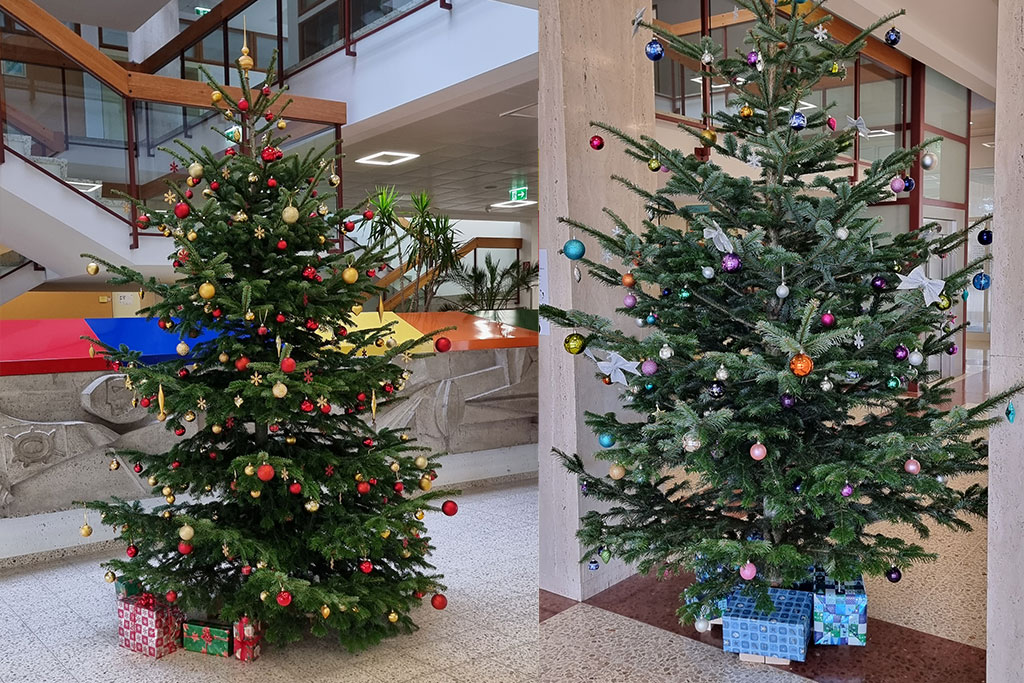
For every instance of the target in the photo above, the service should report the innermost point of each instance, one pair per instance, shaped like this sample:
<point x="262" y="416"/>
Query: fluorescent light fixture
<point x="513" y="204"/>
<point x="85" y="187"/>
<point x="990" y="145"/>
<point x="806" y="105"/>
<point x="387" y="158"/>
<point x="880" y="133"/>
<point x="718" y="86"/>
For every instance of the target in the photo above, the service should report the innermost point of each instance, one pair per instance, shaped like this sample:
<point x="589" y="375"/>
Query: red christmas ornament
<point x="295" y="488"/>
<point x="313" y="193"/>
<point x="262" y="330"/>
<point x="449" y="507"/>
<point x="399" y="486"/>
<point x="266" y="91"/>
<point x="269" y="116"/>
<point x="268" y="154"/>
<point x="366" y="566"/>
<point x="368" y="215"/>
<point x="329" y="470"/>
<point x="312" y="324"/>
<point x="213" y="455"/>
<point x="288" y="364"/>
<point x="363" y="487"/>
<point x="131" y="551"/>
<point x="280" y="318"/>
<point x="274" y="428"/>
<point x="438" y="601"/>
<point x="271" y="182"/>
<point x="325" y="408"/>
<point x="214" y="185"/>
<point x="144" y="402"/>
<point x="188" y="194"/>
<point x="418" y="595"/>
<point x="284" y="598"/>
<point x="307" y="406"/>
<point x="443" y="344"/>
<point x="373" y="481"/>
<point x="176" y="464"/>
<point x="229" y="152"/>
<point x="229" y="423"/>
<point x="179" y="431"/>
<point x="371" y="273"/>
<point x="176" y="263"/>
<point x="246" y="570"/>
<point x="184" y="548"/>
<point x="265" y="472"/>
<point x="281" y="245"/>
<point x="137" y="467"/>
<point x="216" y="313"/>
<point x="243" y="104"/>
<point x="171" y="596"/>
<point x="389" y="388"/>
<point x="349" y="226"/>
<point x="142" y="221"/>
<point x="183" y="373"/>
<point x="360" y="397"/>
<point x="241" y="364"/>
<point x="181" y="209"/>
<point x="307" y="376"/>
<point x="342" y="332"/>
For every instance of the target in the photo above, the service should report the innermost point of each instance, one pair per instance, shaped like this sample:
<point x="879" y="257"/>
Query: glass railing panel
<point x="259" y="21"/>
<point x="370" y="14"/>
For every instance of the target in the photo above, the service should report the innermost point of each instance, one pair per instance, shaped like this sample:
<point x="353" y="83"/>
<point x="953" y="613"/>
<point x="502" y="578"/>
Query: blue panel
<point x="140" y="334"/>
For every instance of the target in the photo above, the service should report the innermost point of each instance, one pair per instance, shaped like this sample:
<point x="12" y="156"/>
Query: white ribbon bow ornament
<point x="932" y="289"/>
<point x="859" y="124"/>
<point x="718" y="238"/>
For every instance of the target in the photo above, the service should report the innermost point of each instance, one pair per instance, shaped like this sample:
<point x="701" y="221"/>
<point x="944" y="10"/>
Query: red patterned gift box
<point x="248" y="634"/>
<point x="149" y="627"/>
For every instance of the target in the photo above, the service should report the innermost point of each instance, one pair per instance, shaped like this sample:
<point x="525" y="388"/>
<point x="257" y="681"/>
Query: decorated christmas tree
<point x="782" y="397"/>
<point x="283" y="503"/>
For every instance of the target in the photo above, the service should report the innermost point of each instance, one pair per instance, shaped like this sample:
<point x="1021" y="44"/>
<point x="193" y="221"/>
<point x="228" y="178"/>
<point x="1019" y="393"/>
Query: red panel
<point x="32" y="347"/>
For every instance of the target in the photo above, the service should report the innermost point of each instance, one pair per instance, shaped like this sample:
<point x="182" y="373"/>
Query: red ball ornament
<point x="214" y="185"/>
<point x="137" y="467"/>
<point x="271" y="182"/>
<point x="312" y="324"/>
<point x="325" y="408"/>
<point x="171" y="596"/>
<point x="295" y="488"/>
<point x="262" y="330"/>
<point x="184" y="548"/>
<point x="363" y="487"/>
<point x="307" y="406"/>
<point x="188" y="194"/>
<point x="399" y="486"/>
<point x="443" y="344"/>
<point x="349" y="226"/>
<point x="142" y="221"/>
<point x="288" y="364"/>
<point x="281" y="245"/>
<point x="181" y="209"/>
<point x="179" y="431"/>
<point x="176" y="464"/>
<point x="161" y="323"/>
<point x="449" y="507"/>
<point x="213" y="455"/>
<point x="418" y="595"/>
<point x="368" y="442"/>
<point x="368" y="215"/>
<point x="373" y="481"/>
<point x="183" y="373"/>
<point x="269" y="116"/>
<point x="241" y="364"/>
<point x="265" y="472"/>
<point x="389" y="388"/>
<point x="229" y="152"/>
<point x="284" y="598"/>
<point x="280" y="318"/>
<point x="243" y="104"/>
<point x="266" y="91"/>
<point x="596" y="142"/>
<point x="275" y="428"/>
<point x="144" y="402"/>
<point x="366" y="566"/>
<point x="131" y="551"/>
<point x="371" y="273"/>
<point x="176" y="263"/>
<point x="216" y="313"/>
<point x="246" y="570"/>
<point x="360" y="397"/>
<point x="438" y="601"/>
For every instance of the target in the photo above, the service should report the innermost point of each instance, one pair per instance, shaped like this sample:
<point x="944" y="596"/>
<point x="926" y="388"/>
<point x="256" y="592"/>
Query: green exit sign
<point x="517" y="194"/>
<point x="200" y="11"/>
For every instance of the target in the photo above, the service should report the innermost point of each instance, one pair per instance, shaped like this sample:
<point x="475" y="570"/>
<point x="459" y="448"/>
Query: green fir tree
<point x="771" y="423"/>
<point x="286" y="505"/>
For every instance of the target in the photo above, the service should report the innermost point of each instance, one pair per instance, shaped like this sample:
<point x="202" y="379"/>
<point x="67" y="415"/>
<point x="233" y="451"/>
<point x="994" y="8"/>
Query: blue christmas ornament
<point x="893" y="36"/>
<point x="1011" y="412"/>
<point x="966" y="294"/>
<point x="982" y="281"/>
<point x="574" y="250"/>
<point x="985" y="237"/>
<point x="606" y="440"/>
<point x="593" y="565"/>
<point x="909" y="184"/>
<point x="651" y="319"/>
<point x="654" y="50"/>
<point x="798" y="121"/>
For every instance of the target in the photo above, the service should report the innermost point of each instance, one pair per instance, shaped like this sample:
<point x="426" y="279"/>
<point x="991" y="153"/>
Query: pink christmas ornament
<point x="912" y="466"/>
<point x="748" y="571"/>
<point x="649" y="367"/>
<point x="758" y="451"/>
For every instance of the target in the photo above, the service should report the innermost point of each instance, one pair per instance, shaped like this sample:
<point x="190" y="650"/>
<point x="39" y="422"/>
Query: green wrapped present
<point x="207" y="637"/>
<point x="126" y="588"/>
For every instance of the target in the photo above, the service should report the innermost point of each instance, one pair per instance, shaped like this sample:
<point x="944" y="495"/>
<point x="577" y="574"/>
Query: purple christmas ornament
<point x="828" y="320"/>
<point x="900" y="352"/>
<point x="752" y="57"/>
<point x="894" y="574"/>
<point x="629" y="301"/>
<point x="879" y="283"/>
<point x="952" y="349"/>
<point x="649" y="367"/>
<point x="897" y="185"/>
<point x="787" y="401"/>
<point x="731" y="263"/>
<point x="847" y="491"/>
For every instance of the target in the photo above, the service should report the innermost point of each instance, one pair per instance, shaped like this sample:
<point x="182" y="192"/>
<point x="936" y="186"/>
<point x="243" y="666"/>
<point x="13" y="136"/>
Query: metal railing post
<point x="133" y="187"/>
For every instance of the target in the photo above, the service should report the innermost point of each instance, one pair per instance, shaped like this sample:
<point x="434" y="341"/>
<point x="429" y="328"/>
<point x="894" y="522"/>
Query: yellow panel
<point x="402" y="332"/>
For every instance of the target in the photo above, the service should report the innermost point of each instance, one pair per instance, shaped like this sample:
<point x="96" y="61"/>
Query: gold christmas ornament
<point x="115" y="464"/>
<point x="250" y="316"/>
<point x="241" y="217"/>
<point x="169" y="499"/>
<point x="290" y="214"/>
<point x="207" y="290"/>
<point x="322" y="209"/>
<point x="290" y="440"/>
<point x="254" y="178"/>
<point x="166" y="491"/>
<point x="325" y="611"/>
<point x="395" y="467"/>
<point x="92" y="268"/>
<point x="334" y="180"/>
<point x="405" y="554"/>
<point x="264" y="595"/>
<point x="216" y="429"/>
<point x="746" y="111"/>
<point x="279" y="390"/>
<point x="186" y="533"/>
<point x="419" y="514"/>
<point x="386" y="533"/>
<point x="85" y="530"/>
<point x="192" y="236"/>
<point x="281" y="125"/>
<point x="259" y="233"/>
<point x="616" y="471"/>
<point x="250" y="469"/>
<point x="216" y="97"/>
<point x="262" y="564"/>
<point x="195" y="169"/>
<point x="357" y="309"/>
<point x="359" y="476"/>
<point x="421" y="462"/>
<point x="92" y="351"/>
<point x="708" y="137"/>
<point x="238" y="401"/>
<point x="254" y="494"/>
<point x="182" y="348"/>
<point x="189" y="416"/>
<point x="245" y="61"/>
<point x="392" y="617"/>
<point x="425" y="484"/>
<point x="349" y="275"/>
<point x="109" y="577"/>
<point x="152" y="481"/>
<point x="404" y="437"/>
<point x="312" y="505"/>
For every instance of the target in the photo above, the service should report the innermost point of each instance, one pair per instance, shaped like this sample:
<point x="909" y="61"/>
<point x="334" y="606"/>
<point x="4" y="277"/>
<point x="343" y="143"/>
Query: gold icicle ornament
<point x="92" y="351"/>
<point x="373" y="405"/>
<point x="380" y="308"/>
<point x="160" y="402"/>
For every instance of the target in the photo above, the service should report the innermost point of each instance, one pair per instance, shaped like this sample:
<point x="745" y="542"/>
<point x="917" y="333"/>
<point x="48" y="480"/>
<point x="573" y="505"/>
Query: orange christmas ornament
<point x="628" y="280"/>
<point x="801" y="365"/>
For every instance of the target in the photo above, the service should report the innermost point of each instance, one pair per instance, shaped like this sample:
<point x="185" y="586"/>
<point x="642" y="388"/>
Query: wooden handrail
<point x="428" y="277"/>
<point x="144" y="86"/>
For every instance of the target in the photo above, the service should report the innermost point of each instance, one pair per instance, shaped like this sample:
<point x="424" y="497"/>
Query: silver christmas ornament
<point x="691" y="443"/>
<point x="941" y="478"/>
<point x="708" y="272"/>
<point x="666" y="352"/>
<point x="928" y="161"/>
<point x="842" y="234"/>
<point x="721" y="374"/>
<point x="702" y="625"/>
<point x="826" y="384"/>
<point x="640" y="322"/>
<point x="915" y="358"/>
<point x="782" y="291"/>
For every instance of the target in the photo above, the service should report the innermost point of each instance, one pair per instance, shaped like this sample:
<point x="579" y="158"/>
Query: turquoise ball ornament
<point x="893" y="383"/>
<point x="651" y="319"/>
<point x="574" y="250"/>
<point x="606" y="440"/>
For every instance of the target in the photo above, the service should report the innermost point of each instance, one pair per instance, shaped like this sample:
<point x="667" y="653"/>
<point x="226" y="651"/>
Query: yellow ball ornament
<point x="195" y="169"/>
<point x="110" y="577"/>
<point x="425" y="484"/>
<point x="152" y="481"/>
<point x="182" y="348"/>
<point x="312" y="505"/>
<point x="216" y="429"/>
<point x="395" y="467"/>
<point x="115" y="464"/>
<point x="574" y="343"/>
<point x="250" y="470"/>
<point x="281" y="125"/>
<point x="92" y="268"/>
<point x="708" y="137"/>
<point x="279" y="390"/>
<point x="85" y="530"/>
<point x="325" y="611"/>
<point x="207" y="290"/>
<point x="186" y="533"/>
<point x="170" y="499"/>
<point x="419" y="514"/>
<point x="166" y="491"/>
<point x="254" y="494"/>
<point x="290" y="440"/>
<point x="216" y="97"/>
<point x="264" y="595"/>
<point x="392" y="617"/>
<point x="421" y="462"/>
<point x="746" y="111"/>
<point x="350" y="275"/>
<point x="290" y="215"/>
<point x="166" y="514"/>
<point x="616" y="471"/>
<point x="192" y="236"/>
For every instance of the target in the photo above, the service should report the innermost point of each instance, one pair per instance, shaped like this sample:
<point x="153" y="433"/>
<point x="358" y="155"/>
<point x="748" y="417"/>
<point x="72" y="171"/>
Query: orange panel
<point x="472" y="333"/>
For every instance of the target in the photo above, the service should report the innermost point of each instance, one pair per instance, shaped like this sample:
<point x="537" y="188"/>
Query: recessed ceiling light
<point x="513" y="204"/>
<point x="387" y="158"/>
<point x="880" y="133"/>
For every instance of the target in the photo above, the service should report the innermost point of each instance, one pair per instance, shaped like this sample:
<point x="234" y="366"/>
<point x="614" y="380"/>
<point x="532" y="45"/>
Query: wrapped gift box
<point x="247" y="636"/>
<point x="147" y="626"/>
<point x="125" y="588"/>
<point x="781" y="635"/>
<point x="840" y="611"/>
<point x="207" y="637"/>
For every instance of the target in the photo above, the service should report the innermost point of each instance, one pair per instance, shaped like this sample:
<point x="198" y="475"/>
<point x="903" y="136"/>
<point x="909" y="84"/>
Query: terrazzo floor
<point x="58" y="621"/>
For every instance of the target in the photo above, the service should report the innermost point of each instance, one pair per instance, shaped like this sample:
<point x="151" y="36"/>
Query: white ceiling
<point x="469" y="156"/>
<point x="115" y="14"/>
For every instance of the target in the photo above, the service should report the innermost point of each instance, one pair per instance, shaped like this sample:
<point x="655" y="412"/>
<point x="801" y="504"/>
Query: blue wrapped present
<point x="781" y="635"/>
<point x="840" y="611"/>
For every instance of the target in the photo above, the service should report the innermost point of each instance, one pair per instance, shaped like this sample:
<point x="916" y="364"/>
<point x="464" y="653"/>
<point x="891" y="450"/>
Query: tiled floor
<point x="58" y="623"/>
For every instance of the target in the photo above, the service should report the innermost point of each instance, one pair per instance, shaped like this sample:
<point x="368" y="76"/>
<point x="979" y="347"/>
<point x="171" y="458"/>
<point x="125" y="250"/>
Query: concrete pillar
<point x="592" y="68"/>
<point x="155" y="33"/>
<point x="1006" y="476"/>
